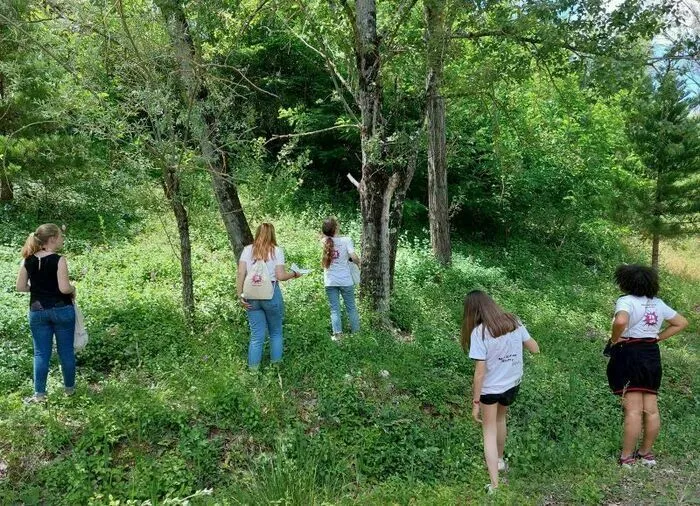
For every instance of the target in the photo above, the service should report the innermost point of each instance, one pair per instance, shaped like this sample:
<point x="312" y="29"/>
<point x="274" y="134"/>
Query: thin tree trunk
<point x="202" y="126"/>
<point x="396" y="218"/>
<point x="171" y="188"/>
<point x="6" y="191"/>
<point x="438" y="210"/>
<point x="657" y="223"/>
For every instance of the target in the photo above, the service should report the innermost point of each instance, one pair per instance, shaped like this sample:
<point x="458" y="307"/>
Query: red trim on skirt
<point x="636" y="389"/>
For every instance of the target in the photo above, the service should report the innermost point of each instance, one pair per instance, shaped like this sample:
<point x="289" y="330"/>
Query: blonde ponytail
<point x="37" y="240"/>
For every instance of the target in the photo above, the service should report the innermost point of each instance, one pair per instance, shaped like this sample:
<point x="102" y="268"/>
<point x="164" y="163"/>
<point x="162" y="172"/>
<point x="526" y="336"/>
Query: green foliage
<point x="667" y="138"/>
<point x="162" y="412"/>
<point x="541" y="169"/>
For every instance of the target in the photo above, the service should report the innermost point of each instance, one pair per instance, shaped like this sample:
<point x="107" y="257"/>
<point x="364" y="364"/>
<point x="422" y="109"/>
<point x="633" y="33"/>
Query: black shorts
<point x="635" y="366"/>
<point x="504" y="399"/>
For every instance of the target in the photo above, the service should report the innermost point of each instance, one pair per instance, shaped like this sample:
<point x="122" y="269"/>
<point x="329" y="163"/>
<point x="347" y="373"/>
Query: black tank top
<point x="43" y="276"/>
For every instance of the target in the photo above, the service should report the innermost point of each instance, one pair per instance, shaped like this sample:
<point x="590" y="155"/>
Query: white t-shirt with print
<point x="271" y="263"/>
<point x="503" y="356"/>
<point x="338" y="273"/>
<point x="646" y="315"/>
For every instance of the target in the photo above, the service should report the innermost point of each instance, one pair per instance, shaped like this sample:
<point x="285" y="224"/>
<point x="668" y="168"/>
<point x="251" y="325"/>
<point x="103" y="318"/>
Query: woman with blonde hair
<point x="44" y="274"/>
<point x="338" y="252"/>
<point x="264" y="316"/>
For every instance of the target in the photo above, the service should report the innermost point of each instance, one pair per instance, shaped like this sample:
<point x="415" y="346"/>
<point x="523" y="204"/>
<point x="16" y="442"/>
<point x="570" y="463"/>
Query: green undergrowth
<point x="162" y="411"/>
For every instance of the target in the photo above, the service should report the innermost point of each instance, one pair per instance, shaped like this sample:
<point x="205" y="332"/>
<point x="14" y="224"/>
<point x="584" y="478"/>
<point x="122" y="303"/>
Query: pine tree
<point x="666" y="132"/>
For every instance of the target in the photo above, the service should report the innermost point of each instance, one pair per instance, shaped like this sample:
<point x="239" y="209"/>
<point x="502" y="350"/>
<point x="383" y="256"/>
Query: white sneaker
<point x="502" y="466"/>
<point x="647" y="459"/>
<point x="35" y="399"/>
<point x="336" y="337"/>
<point x="490" y="489"/>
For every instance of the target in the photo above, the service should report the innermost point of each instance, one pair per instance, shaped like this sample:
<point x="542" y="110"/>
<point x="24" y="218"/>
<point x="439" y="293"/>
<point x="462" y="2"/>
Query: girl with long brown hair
<point x="44" y="274"/>
<point x="495" y="340"/>
<point x="338" y="252"/>
<point x="264" y="316"/>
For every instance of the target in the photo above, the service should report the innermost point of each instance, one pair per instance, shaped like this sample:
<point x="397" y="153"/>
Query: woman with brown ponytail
<point x="337" y="253"/>
<point x="44" y="274"/>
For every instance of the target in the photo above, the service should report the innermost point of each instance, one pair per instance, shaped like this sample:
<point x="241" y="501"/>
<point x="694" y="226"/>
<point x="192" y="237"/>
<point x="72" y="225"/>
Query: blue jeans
<point x="44" y="324"/>
<point x="265" y="317"/>
<point x="348" y="293"/>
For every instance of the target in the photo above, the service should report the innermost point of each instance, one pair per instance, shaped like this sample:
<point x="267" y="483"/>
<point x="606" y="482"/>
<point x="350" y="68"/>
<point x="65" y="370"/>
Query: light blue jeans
<point x="44" y="324"/>
<point x="348" y="294"/>
<point x="265" y="317"/>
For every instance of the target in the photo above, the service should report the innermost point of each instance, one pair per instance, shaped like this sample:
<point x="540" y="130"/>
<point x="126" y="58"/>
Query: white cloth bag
<point x="257" y="284"/>
<point x="354" y="273"/>
<point x="80" y="337"/>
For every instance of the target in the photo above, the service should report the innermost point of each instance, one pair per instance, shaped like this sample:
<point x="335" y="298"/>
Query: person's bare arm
<point x="620" y="322"/>
<point x="675" y="325"/>
<point x="282" y="274"/>
<point x="22" y="279"/>
<point x="531" y="346"/>
<point x="479" y="375"/>
<point x="64" y="285"/>
<point x="240" y="279"/>
<point x="355" y="258"/>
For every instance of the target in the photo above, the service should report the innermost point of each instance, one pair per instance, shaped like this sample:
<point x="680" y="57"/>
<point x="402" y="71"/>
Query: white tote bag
<point x="354" y="273"/>
<point x="80" y="336"/>
<point x="257" y="284"/>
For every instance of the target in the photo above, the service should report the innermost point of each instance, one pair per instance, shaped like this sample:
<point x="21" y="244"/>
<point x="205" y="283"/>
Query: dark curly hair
<point x="638" y="280"/>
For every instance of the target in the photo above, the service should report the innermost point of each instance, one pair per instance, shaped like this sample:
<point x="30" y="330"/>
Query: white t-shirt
<point x="271" y="263"/>
<point x="646" y="315"/>
<point x="503" y="356"/>
<point x="338" y="273"/>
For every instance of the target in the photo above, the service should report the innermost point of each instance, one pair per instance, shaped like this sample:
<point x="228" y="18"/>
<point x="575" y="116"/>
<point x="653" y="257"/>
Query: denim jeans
<point x="348" y="293"/>
<point x="265" y="317"/>
<point x="44" y="324"/>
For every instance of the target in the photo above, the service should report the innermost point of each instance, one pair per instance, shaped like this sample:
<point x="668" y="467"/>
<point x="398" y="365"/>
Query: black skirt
<point x="635" y="366"/>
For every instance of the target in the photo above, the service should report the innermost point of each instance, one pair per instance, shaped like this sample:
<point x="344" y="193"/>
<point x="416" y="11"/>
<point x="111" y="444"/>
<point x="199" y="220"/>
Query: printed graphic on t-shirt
<point x="650" y="318"/>
<point x="508" y="358"/>
<point x="335" y="254"/>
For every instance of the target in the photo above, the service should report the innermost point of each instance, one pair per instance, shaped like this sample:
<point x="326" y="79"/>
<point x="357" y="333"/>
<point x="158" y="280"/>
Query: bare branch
<point x="354" y="181"/>
<point x="401" y="14"/>
<point x="339" y="81"/>
<point x="243" y="76"/>
<point x="305" y="134"/>
<point x="250" y="19"/>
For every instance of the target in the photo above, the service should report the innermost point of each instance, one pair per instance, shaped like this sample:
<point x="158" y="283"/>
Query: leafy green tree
<point x="666" y="131"/>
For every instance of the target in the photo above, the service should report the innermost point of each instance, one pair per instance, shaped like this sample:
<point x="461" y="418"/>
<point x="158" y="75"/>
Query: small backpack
<point x="257" y="284"/>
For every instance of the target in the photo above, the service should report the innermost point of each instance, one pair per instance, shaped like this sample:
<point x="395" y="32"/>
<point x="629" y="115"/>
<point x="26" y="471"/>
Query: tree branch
<point x="304" y="134"/>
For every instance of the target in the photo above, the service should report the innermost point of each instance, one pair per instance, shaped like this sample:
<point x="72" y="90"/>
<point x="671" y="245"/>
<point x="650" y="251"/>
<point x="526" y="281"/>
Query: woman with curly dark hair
<point x="634" y="370"/>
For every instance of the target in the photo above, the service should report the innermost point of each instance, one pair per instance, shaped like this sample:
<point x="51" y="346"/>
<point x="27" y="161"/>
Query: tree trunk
<point x="656" y="224"/>
<point x="375" y="191"/>
<point x="438" y="211"/>
<point x="382" y="188"/>
<point x="171" y="187"/>
<point x="396" y="218"/>
<point x="655" y="251"/>
<point x="6" y="191"/>
<point x="202" y="126"/>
